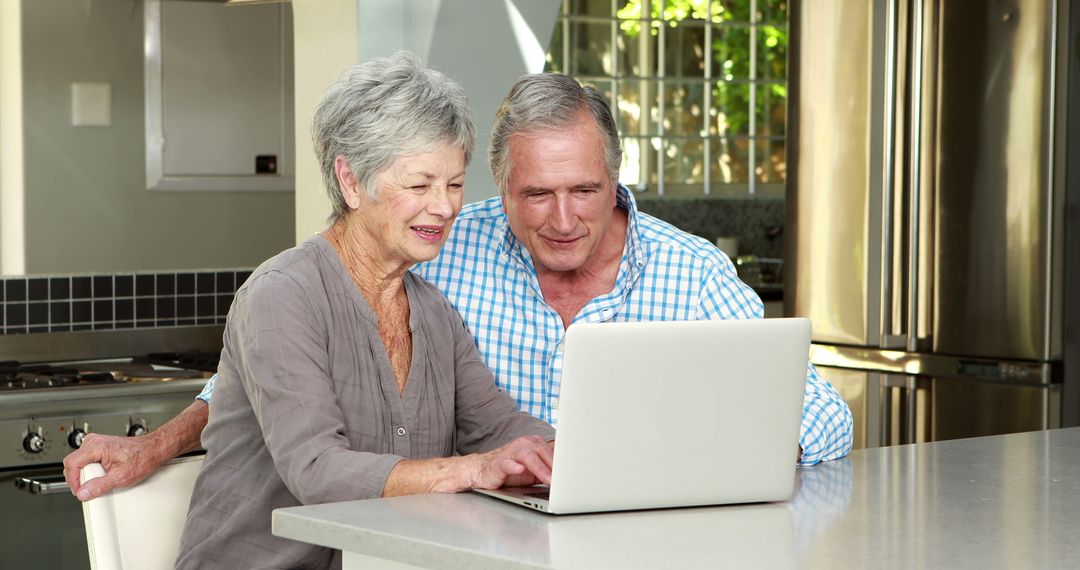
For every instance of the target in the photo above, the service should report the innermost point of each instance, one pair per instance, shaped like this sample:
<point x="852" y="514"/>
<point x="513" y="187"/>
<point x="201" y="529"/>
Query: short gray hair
<point x="383" y="109"/>
<point x="544" y="101"/>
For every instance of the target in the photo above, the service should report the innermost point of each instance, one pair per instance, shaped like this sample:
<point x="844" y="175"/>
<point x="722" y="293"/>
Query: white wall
<point x="86" y="203"/>
<point x="11" y="170"/>
<point x="483" y="44"/>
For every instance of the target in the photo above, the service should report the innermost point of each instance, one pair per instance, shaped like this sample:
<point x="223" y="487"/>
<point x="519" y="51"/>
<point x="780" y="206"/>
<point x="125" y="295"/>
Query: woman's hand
<point x="524" y="461"/>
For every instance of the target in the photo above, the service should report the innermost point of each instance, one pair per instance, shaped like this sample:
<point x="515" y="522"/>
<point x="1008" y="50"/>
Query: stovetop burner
<point x="16" y="376"/>
<point x="204" y="361"/>
<point x="151" y="367"/>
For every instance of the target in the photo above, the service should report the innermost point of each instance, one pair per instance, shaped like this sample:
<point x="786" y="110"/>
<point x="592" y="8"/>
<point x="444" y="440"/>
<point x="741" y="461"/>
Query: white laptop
<point x="675" y="414"/>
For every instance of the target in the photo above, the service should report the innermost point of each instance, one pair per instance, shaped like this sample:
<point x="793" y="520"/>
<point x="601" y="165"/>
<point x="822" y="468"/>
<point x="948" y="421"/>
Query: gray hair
<point x="545" y="101"/>
<point x="378" y="111"/>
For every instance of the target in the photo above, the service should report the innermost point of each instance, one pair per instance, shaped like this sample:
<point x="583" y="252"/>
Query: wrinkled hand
<point x="524" y="461"/>
<point x="127" y="460"/>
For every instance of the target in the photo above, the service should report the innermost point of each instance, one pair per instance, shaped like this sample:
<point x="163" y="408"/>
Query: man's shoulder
<point x="489" y="210"/>
<point x="663" y="238"/>
<point x="480" y="225"/>
<point x="474" y="239"/>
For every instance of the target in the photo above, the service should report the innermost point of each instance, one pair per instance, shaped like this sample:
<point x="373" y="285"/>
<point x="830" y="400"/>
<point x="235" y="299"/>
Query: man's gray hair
<point x="380" y="110"/>
<point x="544" y="101"/>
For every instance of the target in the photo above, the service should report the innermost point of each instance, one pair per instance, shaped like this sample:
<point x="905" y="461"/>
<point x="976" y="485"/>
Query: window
<point x="698" y="89"/>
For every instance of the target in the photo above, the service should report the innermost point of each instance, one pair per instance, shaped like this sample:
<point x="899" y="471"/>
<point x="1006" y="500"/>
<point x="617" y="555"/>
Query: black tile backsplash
<point x="144" y="285"/>
<point x="59" y="288"/>
<point x="105" y="302"/>
<point x="15" y="290"/>
<point x="125" y="285"/>
<point x="81" y="288"/>
<point x="185" y="284"/>
<point x="38" y="289"/>
<point x="38" y="314"/>
<point x="103" y="286"/>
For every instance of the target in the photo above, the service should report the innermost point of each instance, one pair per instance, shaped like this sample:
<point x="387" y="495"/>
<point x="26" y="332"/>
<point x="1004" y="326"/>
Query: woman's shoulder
<point x="297" y="269"/>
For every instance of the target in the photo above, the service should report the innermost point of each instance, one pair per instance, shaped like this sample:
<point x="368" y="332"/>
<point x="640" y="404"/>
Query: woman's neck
<point x="378" y="279"/>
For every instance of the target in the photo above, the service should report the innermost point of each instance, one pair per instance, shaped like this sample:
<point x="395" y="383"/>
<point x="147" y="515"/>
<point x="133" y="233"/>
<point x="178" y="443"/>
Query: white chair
<point x="139" y="527"/>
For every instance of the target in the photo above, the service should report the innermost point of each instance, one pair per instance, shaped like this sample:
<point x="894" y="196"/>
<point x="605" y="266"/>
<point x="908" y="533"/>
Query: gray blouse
<point x="307" y="410"/>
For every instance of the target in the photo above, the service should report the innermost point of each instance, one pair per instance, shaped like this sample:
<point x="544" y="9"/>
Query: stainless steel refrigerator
<point x="927" y="210"/>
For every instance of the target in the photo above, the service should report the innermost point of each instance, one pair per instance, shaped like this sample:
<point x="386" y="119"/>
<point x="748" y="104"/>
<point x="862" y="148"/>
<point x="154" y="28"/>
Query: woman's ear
<point x="347" y="183"/>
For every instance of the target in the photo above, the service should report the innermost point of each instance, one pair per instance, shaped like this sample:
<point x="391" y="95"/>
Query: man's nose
<point x="563" y="219"/>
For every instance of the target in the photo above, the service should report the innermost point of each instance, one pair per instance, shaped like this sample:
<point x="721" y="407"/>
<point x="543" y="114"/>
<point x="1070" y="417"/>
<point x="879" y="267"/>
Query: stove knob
<point x="136" y="429"/>
<point x="34" y="443"/>
<point x="75" y="438"/>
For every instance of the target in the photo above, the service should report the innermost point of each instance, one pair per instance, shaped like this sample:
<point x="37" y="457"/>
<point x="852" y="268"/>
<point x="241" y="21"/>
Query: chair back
<point x="139" y="527"/>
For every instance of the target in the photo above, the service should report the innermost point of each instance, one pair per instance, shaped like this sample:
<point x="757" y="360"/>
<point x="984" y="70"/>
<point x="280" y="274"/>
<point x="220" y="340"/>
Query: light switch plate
<point x="91" y="104"/>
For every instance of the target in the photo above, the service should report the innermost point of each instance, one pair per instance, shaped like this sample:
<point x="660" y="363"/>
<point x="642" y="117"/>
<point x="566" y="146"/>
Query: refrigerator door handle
<point x="887" y="338"/>
<point x="915" y="175"/>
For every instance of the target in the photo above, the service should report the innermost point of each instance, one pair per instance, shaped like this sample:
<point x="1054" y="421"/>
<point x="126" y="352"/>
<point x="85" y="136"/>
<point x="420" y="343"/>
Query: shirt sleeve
<point x="826" y="429"/>
<point x="279" y="347"/>
<point x="486" y="417"/>
<point x="208" y="389"/>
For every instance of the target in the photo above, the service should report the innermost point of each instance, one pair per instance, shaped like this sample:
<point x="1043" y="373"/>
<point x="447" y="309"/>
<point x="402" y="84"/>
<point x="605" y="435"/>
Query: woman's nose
<point x="444" y="203"/>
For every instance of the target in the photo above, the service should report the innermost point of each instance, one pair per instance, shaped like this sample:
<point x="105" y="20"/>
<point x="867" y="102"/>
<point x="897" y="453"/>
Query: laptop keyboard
<point x="545" y="495"/>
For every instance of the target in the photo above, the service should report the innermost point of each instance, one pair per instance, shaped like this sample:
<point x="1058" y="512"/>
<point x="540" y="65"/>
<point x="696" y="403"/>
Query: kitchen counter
<point x="1009" y="501"/>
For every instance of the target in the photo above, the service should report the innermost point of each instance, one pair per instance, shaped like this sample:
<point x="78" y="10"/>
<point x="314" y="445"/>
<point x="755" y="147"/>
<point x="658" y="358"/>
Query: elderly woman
<point x="344" y="376"/>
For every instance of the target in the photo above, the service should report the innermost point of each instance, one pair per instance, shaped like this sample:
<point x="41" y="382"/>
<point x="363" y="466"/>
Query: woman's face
<point x="418" y="197"/>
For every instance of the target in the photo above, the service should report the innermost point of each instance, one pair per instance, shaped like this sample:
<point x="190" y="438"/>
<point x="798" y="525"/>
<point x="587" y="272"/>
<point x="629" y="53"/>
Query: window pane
<point x="637" y="49"/>
<point x="772" y="11"/>
<point x="604" y="87"/>
<point x="735" y="10"/>
<point x="635" y="9"/>
<point x="771" y="165"/>
<point x="638" y="169"/>
<point x="731" y="52"/>
<point x="684" y="108"/>
<point x="632" y="116"/>
<point x="730" y="113"/>
<point x="598" y="8"/>
<point x="554" y="61"/>
<point x="771" y="109"/>
<point x="590" y="46"/>
<point x="685" y="10"/>
<point x="684" y="162"/>
<point x="772" y="53"/>
<point x="730" y="158"/>
<point x="684" y="51"/>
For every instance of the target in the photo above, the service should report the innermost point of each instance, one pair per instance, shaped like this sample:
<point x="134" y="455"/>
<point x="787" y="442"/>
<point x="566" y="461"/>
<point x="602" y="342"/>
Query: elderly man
<point x="563" y="243"/>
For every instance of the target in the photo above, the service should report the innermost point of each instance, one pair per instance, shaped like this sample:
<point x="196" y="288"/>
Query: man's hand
<point x="524" y="461"/>
<point x="128" y="460"/>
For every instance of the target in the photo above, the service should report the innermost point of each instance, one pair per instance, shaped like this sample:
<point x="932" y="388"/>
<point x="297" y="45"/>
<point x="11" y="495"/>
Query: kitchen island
<point x="1010" y="501"/>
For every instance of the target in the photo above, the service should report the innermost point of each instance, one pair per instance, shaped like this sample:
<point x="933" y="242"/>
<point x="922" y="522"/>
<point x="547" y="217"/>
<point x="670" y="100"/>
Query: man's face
<point x="559" y="199"/>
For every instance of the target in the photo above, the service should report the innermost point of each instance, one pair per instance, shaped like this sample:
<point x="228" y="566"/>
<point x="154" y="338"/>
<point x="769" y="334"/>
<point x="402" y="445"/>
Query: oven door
<point x="42" y="529"/>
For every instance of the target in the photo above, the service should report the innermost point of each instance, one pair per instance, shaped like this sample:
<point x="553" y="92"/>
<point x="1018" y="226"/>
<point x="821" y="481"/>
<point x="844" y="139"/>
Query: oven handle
<point x="43" y="484"/>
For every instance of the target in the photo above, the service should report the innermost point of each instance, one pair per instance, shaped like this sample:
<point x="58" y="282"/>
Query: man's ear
<point x="347" y="183"/>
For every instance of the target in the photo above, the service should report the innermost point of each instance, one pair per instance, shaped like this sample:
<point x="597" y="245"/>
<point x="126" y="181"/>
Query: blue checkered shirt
<point x="664" y="274"/>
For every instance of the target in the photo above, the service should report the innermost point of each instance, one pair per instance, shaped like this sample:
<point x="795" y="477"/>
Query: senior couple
<point x="348" y="369"/>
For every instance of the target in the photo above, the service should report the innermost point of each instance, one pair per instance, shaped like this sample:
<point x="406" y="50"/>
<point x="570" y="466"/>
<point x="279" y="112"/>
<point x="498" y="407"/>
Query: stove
<point x="47" y="408"/>
<point x="57" y="387"/>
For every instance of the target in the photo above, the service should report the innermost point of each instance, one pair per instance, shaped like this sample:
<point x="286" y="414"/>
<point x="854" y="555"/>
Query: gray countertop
<point x="1008" y="501"/>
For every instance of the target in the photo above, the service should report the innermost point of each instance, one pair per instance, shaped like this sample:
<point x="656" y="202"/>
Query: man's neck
<point x="569" y="291"/>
